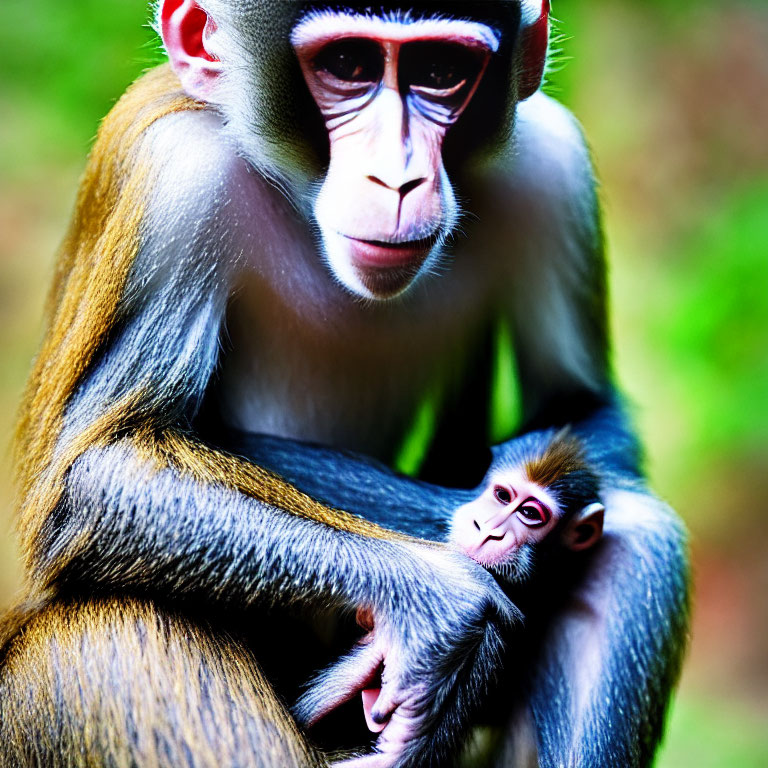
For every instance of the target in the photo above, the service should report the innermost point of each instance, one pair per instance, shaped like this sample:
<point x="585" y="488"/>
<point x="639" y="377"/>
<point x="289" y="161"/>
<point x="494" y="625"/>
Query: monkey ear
<point x="535" y="39"/>
<point x="185" y="26"/>
<point x="585" y="529"/>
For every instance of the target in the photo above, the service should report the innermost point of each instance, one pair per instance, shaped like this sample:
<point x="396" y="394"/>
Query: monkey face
<point x="501" y="528"/>
<point x="513" y="516"/>
<point x="388" y="91"/>
<point x="388" y="87"/>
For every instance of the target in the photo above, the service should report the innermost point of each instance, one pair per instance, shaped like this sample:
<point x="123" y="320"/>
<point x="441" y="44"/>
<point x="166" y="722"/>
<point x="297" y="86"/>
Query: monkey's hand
<point x="432" y="653"/>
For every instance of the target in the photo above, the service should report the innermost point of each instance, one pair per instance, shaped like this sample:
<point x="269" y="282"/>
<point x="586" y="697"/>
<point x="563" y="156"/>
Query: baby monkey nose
<point x="488" y="534"/>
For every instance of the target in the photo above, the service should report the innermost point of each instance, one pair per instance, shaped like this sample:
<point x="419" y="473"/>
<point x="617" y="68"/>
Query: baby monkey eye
<point x="533" y="513"/>
<point x="352" y="60"/>
<point x="502" y="494"/>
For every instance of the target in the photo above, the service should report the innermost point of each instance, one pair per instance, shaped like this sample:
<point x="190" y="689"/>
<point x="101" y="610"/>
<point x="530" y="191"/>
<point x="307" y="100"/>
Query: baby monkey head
<point x="539" y="494"/>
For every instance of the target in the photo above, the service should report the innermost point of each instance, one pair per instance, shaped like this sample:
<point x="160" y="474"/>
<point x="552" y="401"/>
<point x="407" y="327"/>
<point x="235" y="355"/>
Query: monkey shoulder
<point x="202" y="193"/>
<point x="550" y="151"/>
<point x="192" y="157"/>
<point x="544" y="174"/>
<point x="536" y="208"/>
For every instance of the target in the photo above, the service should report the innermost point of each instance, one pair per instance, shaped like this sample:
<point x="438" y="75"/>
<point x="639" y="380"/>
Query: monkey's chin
<point x="387" y="282"/>
<point x="514" y="568"/>
<point x="518" y="569"/>
<point x="376" y="269"/>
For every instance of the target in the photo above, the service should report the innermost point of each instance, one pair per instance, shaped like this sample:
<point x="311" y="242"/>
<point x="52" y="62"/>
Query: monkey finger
<point x="370" y="696"/>
<point x="402" y="728"/>
<point x="386" y="702"/>
<point x="338" y="684"/>
<point x="364" y="619"/>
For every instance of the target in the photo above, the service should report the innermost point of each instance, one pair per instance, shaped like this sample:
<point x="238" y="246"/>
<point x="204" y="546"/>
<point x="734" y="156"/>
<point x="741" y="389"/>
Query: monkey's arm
<point x="121" y="496"/>
<point x="128" y="521"/>
<point x="609" y="649"/>
<point x="127" y="525"/>
<point x="611" y="652"/>
<point x="357" y="484"/>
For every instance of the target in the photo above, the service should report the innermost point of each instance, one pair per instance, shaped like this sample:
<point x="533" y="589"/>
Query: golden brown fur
<point x="83" y="307"/>
<point x="121" y="683"/>
<point x="90" y="275"/>
<point x="115" y="672"/>
<point x="564" y="455"/>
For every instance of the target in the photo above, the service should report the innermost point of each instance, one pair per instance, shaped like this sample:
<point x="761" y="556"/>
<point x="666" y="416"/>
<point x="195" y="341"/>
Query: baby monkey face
<point x="511" y="513"/>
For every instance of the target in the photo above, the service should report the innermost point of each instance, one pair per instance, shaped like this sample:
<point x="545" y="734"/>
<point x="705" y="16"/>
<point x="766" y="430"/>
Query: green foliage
<point x="63" y="70"/>
<point x="714" y="733"/>
<point x="716" y="329"/>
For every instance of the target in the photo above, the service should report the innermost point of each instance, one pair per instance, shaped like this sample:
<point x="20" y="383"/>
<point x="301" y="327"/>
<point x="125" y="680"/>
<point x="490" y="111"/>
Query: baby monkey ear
<point x="585" y="529"/>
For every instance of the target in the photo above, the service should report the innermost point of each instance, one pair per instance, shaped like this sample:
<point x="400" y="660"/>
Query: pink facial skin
<point x="510" y="513"/>
<point x="388" y="92"/>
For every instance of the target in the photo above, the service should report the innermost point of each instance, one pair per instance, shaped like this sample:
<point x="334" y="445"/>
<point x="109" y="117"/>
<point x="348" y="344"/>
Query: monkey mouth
<point x="386" y="269"/>
<point x="382" y="254"/>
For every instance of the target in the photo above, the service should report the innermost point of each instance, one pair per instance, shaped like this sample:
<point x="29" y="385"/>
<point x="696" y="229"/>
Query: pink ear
<point x="183" y="24"/>
<point x="534" y="53"/>
<point x="585" y="530"/>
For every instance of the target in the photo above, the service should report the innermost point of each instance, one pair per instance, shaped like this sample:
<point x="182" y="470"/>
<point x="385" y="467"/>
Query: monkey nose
<point x="401" y="189"/>
<point x="488" y="534"/>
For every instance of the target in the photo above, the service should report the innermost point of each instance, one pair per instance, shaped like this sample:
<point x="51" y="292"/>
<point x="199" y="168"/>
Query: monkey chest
<point x="351" y="377"/>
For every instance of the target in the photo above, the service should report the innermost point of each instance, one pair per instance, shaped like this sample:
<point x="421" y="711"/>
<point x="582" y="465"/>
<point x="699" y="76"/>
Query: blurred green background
<point x="673" y="95"/>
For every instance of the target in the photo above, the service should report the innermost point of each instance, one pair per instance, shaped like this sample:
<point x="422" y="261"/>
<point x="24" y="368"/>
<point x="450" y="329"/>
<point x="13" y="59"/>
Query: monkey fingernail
<point x="370" y="697"/>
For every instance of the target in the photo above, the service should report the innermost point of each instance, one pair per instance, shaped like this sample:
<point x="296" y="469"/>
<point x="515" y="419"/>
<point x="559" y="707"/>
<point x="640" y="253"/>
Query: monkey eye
<point x="439" y="70"/>
<point x="502" y="495"/>
<point x="351" y="60"/>
<point x="533" y="513"/>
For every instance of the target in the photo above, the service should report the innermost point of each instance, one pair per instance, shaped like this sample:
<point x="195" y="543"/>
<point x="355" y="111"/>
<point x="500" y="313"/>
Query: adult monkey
<point x="126" y="488"/>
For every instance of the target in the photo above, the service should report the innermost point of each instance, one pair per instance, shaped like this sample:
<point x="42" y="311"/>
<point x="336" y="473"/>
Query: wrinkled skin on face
<point x="388" y="93"/>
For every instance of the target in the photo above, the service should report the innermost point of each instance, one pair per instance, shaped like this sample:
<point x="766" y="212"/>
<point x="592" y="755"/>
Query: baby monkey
<point x="540" y="497"/>
<point x="540" y="500"/>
